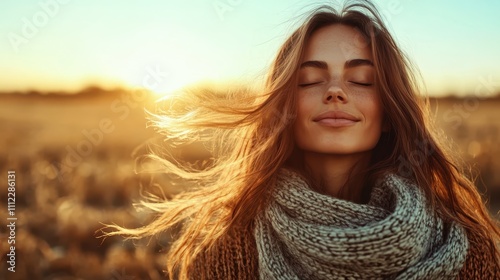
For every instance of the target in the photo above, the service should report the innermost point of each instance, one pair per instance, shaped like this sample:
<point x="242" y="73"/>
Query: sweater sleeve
<point x="479" y="264"/>
<point x="233" y="257"/>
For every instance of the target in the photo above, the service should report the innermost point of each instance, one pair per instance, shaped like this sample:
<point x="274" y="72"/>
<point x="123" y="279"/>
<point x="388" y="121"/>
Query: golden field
<point x="75" y="157"/>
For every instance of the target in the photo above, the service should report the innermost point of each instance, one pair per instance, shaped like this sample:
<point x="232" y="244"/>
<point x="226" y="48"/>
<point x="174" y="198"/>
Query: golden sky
<point x="164" y="45"/>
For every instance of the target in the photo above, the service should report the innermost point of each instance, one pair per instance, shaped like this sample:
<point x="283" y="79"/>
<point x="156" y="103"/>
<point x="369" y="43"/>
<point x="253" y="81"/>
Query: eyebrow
<point x="357" y="62"/>
<point x="314" y="64"/>
<point x="348" y="64"/>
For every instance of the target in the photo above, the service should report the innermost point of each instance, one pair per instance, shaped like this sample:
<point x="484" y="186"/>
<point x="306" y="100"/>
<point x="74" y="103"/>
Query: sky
<point x="163" y="45"/>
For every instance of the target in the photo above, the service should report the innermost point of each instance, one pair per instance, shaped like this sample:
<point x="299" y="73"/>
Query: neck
<point x="331" y="172"/>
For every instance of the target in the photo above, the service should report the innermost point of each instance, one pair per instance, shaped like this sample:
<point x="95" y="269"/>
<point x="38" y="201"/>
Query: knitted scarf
<point x="303" y="234"/>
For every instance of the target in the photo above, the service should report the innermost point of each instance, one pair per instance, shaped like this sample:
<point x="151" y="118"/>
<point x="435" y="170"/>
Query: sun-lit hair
<point x="251" y="138"/>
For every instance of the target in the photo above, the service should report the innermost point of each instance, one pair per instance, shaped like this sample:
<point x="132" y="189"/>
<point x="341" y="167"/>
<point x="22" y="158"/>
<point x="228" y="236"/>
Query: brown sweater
<point x="236" y="258"/>
<point x="479" y="264"/>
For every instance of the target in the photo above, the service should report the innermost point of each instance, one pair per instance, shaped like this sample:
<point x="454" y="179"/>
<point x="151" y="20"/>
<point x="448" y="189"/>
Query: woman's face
<point x="338" y="110"/>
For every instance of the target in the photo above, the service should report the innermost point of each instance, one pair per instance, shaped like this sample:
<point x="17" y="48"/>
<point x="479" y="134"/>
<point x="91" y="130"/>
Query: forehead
<point x="337" y="43"/>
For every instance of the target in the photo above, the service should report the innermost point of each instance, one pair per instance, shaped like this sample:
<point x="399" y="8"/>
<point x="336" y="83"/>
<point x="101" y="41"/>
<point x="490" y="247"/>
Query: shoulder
<point x="479" y="264"/>
<point x="233" y="256"/>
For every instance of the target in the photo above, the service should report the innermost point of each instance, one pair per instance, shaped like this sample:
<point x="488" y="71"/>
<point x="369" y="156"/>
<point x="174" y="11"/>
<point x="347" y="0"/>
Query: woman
<point x="332" y="173"/>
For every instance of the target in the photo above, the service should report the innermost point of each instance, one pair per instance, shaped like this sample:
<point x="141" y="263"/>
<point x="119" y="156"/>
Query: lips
<point x="336" y="119"/>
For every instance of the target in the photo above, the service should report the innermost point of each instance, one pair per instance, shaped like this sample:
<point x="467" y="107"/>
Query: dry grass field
<point x="74" y="159"/>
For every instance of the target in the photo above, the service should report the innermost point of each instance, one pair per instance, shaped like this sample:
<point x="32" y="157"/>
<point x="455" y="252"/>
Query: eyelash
<point x="309" y="84"/>
<point x="360" y="84"/>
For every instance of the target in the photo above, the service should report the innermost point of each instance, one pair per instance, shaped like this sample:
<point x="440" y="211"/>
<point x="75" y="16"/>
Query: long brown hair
<point x="252" y="138"/>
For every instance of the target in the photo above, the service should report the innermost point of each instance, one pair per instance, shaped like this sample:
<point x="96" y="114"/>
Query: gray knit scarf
<point x="303" y="234"/>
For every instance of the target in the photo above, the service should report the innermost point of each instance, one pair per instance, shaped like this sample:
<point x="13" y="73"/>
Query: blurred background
<point x="77" y="77"/>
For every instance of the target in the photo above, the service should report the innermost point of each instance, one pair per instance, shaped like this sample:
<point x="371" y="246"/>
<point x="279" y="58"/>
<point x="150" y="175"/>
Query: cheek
<point x="371" y="106"/>
<point x="304" y="106"/>
<point x="304" y="111"/>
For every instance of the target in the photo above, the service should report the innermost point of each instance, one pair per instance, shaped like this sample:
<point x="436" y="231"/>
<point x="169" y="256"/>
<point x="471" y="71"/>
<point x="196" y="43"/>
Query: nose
<point x="335" y="94"/>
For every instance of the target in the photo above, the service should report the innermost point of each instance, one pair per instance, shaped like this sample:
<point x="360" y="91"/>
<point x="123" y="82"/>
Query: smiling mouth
<point x="336" y="119"/>
<point x="336" y="122"/>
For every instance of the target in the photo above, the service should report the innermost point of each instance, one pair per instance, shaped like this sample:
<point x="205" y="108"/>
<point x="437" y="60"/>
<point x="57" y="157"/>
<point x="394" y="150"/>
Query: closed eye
<point x="361" y="84"/>
<point x="309" y="84"/>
